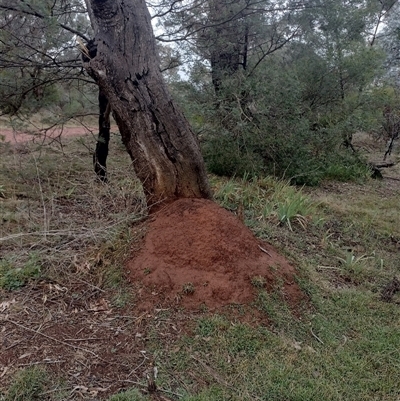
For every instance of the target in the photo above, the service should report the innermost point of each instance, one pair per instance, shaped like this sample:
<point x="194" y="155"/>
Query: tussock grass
<point x="266" y="199"/>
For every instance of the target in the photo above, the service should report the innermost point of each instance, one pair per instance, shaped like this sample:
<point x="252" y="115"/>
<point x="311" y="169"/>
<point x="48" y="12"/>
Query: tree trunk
<point x="225" y="42"/>
<point x="164" y="150"/>
<point x="103" y="140"/>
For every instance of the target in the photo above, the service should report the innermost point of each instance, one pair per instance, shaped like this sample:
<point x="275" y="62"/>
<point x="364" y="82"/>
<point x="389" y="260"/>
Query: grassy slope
<point x="345" y="239"/>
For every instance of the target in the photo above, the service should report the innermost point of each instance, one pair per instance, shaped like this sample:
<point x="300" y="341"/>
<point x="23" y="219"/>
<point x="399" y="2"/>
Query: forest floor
<point x="98" y="298"/>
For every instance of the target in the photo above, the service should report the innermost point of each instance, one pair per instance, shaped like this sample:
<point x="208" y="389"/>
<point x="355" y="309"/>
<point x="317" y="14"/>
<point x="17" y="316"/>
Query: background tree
<point x="294" y="112"/>
<point x="228" y="34"/>
<point x="38" y="55"/>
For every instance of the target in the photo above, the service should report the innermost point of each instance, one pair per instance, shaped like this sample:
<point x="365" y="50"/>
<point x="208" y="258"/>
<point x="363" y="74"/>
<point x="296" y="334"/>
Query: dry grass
<point x="53" y="206"/>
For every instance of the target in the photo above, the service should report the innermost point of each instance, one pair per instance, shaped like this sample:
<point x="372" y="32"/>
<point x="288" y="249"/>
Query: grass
<point x="12" y="277"/>
<point x="266" y="199"/>
<point x="130" y="395"/>
<point x="343" y="351"/>
<point x="28" y="385"/>
<point x="60" y="225"/>
<point x="53" y="208"/>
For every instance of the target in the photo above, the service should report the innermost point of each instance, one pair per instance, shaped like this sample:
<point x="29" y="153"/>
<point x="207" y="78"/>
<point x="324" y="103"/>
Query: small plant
<point x="228" y="193"/>
<point x="258" y="282"/>
<point x="295" y="208"/>
<point x="13" y="277"/>
<point x="188" y="289"/>
<point x="121" y="298"/>
<point x="352" y="263"/>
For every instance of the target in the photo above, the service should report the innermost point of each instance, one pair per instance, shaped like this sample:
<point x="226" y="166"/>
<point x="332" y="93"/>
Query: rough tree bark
<point x="164" y="150"/>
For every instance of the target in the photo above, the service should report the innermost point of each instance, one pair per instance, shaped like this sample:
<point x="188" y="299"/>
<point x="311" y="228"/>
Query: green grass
<point x="130" y="395"/>
<point x="347" y="349"/>
<point x="28" y="385"/>
<point x="13" y="276"/>
<point x="267" y="199"/>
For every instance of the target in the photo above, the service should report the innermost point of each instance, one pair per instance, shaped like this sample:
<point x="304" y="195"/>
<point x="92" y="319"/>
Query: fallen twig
<point x="316" y="337"/>
<point x="40" y="363"/>
<point x="265" y="251"/>
<point x="51" y="338"/>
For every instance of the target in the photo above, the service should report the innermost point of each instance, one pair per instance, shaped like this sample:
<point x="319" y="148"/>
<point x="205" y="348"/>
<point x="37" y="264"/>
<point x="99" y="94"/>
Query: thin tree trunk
<point x="103" y="140"/>
<point x="164" y="150"/>
<point x="225" y="43"/>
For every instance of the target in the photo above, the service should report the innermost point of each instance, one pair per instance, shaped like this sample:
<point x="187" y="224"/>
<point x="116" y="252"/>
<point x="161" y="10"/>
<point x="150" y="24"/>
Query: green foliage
<point x="347" y="169"/>
<point x="228" y="158"/>
<point x="356" y="267"/>
<point x="211" y="325"/>
<point x="291" y="115"/>
<point x="13" y="277"/>
<point x="270" y="130"/>
<point x="242" y="340"/>
<point x="27" y="385"/>
<point x="40" y="69"/>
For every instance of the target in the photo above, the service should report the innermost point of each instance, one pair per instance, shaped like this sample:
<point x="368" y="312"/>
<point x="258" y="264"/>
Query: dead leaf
<point x="25" y="355"/>
<point x="6" y="304"/>
<point x="99" y="306"/>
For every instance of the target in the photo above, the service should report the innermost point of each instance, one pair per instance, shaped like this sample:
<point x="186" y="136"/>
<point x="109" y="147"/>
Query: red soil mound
<point x="196" y="253"/>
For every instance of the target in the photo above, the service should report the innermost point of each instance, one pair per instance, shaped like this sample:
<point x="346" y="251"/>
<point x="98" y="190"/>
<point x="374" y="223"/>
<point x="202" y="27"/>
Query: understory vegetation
<point x="63" y="232"/>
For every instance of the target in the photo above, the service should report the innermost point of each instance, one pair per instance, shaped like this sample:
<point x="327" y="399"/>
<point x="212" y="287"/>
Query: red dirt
<point x="15" y="137"/>
<point x="196" y="253"/>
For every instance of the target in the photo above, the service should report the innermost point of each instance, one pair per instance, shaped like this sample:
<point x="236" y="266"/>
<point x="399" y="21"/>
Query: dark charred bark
<point x="164" y="150"/>
<point x="103" y="140"/>
<point x="101" y="151"/>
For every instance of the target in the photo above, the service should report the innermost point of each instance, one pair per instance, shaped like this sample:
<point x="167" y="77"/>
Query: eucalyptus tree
<point x="340" y="62"/>
<point x="164" y="151"/>
<point x="38" y="40"/>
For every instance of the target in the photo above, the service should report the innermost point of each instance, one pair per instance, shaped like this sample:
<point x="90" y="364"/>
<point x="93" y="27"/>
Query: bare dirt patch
<point x="198" y="254"/>
<point x="15" y="137"/>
